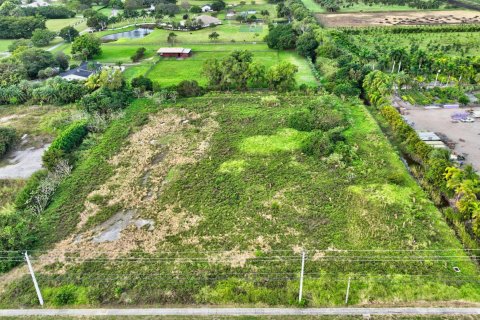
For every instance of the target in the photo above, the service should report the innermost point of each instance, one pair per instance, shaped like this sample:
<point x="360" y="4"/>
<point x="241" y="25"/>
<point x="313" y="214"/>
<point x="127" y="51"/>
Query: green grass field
<point x="233" y="192"/>
<point x="4" y="43"/>
<point x="171" y="71"/>
<point x="58" y="24"/>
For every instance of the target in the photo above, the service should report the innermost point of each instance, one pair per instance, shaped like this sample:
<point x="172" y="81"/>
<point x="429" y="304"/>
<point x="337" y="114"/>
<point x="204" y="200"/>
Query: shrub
<point x="104" y="101"/>
<point x="23" y="197"/>
<point x="65" y="143"/>
<point x="302" y="120"/>
<point x="143" y="83"/>
<point x="139" y="54"/>
<point x="189" y="88"/>
<point x="318" y="144"/>
<point x="8" y="136"/>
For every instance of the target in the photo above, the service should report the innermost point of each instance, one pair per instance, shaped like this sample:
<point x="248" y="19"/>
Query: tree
<point x="98" y="21"/>
<point x="282" y="76"/>
<point x="42" y="37"/>
<point x="61" y="60"/>
<point x="185" y="5"/>
<point x="188" y="88"/>
<point x="69" y="33"/>
<point x="213" y="36"/>
<point x="139" y="54"/>
<point x="110" y="79"/>
<point x="218" y="5"/>
<point x="87" y="45"/>
<point x="229" y="72"/>
<point x="19" y="27"/>
<point x="307" y="44"/>
<point x="34" y="60"/>
<point x="281" y="37"/>
<point x="143" y="83"/>
<point x="11" y="72"/>
<point x="195" y="9"/>
<point x="171" y="38"/>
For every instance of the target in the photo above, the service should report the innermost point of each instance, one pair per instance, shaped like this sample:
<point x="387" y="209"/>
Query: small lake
<point x="132" y="34"/>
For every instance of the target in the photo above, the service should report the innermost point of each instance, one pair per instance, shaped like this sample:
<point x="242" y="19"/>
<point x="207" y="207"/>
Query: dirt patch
<point x="465" y="135"/>
<point x="168" y="141"/>
<point x="408" y="18"/>
<point x="21" y="164"/>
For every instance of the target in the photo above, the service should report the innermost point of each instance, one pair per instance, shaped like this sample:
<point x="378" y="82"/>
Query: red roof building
<point x="174" y="52"/>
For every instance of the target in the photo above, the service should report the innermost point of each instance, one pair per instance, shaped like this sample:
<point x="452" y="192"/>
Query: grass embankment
<point x="225" y="173"/>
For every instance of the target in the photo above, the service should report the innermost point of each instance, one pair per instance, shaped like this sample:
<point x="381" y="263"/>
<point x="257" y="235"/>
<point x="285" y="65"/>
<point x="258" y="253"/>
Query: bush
<point x="188" y="88"/>
<point x="104" y="101"/>
<point x="65" y="143"/>
<point x="23" y="197"/>
<point x="270" y="101"/>
<point x="143" y="83"/>
<point x="8" y="136"/>
<point x="302" y="120"/>
<point x="318" y="144"/>
<point x="139" y="54"/>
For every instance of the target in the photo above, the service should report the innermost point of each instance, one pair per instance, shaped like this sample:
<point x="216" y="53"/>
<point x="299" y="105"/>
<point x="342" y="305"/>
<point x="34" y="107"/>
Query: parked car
<point x="468" y="120"/>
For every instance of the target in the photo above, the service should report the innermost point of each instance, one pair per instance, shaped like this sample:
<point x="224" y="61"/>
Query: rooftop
<point x="174" y="50"/>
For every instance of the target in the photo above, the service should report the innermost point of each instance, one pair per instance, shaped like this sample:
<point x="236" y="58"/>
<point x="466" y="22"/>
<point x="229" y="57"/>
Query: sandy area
<point x="22" y="163"/>
<point x="398" y="18"/>
<point x="466" y="135"/>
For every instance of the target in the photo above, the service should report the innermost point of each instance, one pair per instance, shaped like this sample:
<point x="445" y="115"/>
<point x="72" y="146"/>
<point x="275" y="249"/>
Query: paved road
<point x="238" y="312"/>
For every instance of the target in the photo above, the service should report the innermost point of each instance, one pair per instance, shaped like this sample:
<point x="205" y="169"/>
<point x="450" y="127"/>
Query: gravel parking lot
<point x="466" y="135"/>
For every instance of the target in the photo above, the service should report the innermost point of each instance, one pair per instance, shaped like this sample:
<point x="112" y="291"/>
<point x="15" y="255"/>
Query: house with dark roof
<point x="82" y="72"/>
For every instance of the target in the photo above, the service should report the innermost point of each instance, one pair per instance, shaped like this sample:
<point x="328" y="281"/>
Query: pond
<point x="132" y="34"/>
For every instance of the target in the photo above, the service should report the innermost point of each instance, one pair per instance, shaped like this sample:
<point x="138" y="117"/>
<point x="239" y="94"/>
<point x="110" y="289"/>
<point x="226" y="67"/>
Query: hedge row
<point x="412" y="29"/>
<point x="65" y="143"/>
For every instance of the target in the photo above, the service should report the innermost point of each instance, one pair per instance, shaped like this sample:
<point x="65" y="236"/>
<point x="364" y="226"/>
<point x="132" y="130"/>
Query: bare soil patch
<point x="466" y="135"/>
<point x="406" y="18"/>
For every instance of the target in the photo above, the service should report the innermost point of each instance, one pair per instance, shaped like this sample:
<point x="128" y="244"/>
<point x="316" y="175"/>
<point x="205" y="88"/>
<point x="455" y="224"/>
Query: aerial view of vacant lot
<point x="240" y="158"/>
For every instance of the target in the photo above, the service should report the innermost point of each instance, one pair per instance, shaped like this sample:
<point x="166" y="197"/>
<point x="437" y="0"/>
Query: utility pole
<point x="436" y="78"/>
<point x="39" y="294"/>
<point x="300" y="291"/>
<point x="348" y="291"/>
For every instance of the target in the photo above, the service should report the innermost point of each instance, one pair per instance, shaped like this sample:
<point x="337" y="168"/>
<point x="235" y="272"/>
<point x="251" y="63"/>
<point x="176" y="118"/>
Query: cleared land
<point x="57" y="24"/>
<point x="398" y="18"/>
<point x="313" y="6"/>
<point x="466" y="135"/>
<point x="211" y="200"/>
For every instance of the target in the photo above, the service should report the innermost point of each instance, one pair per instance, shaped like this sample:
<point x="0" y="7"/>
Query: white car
<point x="468" y="120"/>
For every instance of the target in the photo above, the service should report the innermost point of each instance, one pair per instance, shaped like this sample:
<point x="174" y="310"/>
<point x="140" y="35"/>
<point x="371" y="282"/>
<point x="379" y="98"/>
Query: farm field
<point x="221" y="178"/>
<point x="398" y="18"/>
<point x="313" y="6"/>
<point x="449" y="43"/>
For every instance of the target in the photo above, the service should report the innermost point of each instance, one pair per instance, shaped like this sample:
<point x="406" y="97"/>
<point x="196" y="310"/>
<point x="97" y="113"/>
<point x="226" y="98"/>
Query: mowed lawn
<point x="171" y="71"/>
<point x="58" y="24"/>
<point x="4" y="43"/>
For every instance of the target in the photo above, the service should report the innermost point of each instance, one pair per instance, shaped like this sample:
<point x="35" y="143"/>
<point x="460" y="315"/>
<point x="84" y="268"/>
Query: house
<point x="175" y="52"/>
<point x="36" y="4"/>
<point x="207" y="21"/>
<point x="82" y="72"/>
<point x="206" y="8"/>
